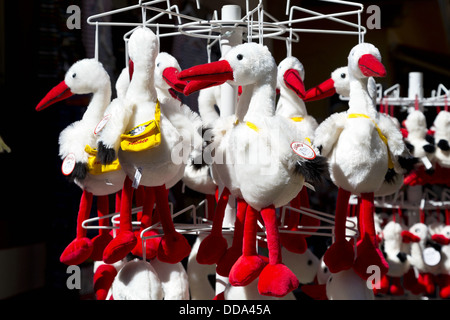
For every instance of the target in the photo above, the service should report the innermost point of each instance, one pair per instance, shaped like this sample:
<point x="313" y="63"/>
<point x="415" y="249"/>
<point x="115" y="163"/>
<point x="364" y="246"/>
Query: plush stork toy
<point x="275" y="175"/>
<point x="80" y="162"/>
<point x="146" y="139"/>
<point x="441" y="126"/>
<point x="422" y="147"/>
<point x="360" y="156"/>
<point x="290" y="105"/>
<point x="443" y="238"/>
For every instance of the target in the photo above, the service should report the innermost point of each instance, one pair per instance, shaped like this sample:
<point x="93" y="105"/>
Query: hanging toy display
<point x="256" y="157"/>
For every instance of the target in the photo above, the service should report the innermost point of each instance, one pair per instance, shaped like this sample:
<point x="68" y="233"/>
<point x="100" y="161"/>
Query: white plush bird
<point x="147" y="140"/>
<point x="359" y="155"/>
<point x="76" y="148"/>
<point x="290" y="104"/>
<point x="269" y="173"/>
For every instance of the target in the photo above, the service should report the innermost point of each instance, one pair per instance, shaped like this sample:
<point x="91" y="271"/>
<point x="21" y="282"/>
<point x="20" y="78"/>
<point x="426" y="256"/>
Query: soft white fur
<point x="263" y="161"/>
<point x="416" y="125"/>
<point x="207" y="99"/>
<point x="199" y="285"/>
<point x="156" y="164"/>
<point x="186" y="121"/>
<point x="290" y="104"/>
<point x="90" y="77"/>
<point x="250" y="292"/>
<point x="174" y="280"/>
<point x="445" y="251"/>
<point x="416" y="248"/>
<point x="303" y="265"/>
<point x="393" y="244"/>
<point x="357" y="156"/>
<point x="442" y="131"/>
<point x="137" y="280"/>
<point x="347" y="285"/>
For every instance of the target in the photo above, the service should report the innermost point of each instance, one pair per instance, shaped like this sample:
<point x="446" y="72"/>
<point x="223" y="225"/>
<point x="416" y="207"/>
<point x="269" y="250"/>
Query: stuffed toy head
<point x="364" y="61"/>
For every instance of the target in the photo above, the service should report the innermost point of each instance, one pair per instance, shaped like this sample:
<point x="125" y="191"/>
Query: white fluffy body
<point x="416" y="125"/>
<point x="89" y="76"/>
<point x="358" y="158"/>
<point x="416" y="248"/>
<point x="174" y="280"/>
<point x="199" y="285"/>
<point x="304" y="266"/>
<point x="347" y="285"/>
<point x="137" y="280"/>
<point x="393" y="244"/>
<point x="263" y="161"/>
<point x="290" y="104"/>
<point x="442" y="132"/>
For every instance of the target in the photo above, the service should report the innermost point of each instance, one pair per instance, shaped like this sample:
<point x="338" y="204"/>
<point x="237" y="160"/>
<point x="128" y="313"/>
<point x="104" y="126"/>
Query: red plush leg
<point x="151" y="245"/>
<point x="368" y="251"/>
<point x="103" y="279"/>
<point x="294" y="242"/>
<point x="104" y="238"/>
<point x="381" y="287"/>
<point x="249" y="265"/>
<point x="412" y="284"/>
<point x="125" y="241"/>
<point x="81" y="248"/>
<point x="339" y="256"/>
<point x="173" y="247"/>
<point x="396" y="288"/>
<point x="211" y="199"/>
<point x="234" y="252"/>
<point x="444" y="285"/>
<point x="276" y="279"/>
<point x="306" y="220"/>
<point x="214" y="246"/>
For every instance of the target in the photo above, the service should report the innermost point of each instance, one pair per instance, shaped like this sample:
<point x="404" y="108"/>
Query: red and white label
<point x="68" y="164"/>
<point x="102" y="123"/>
<point x="303" y="150"/>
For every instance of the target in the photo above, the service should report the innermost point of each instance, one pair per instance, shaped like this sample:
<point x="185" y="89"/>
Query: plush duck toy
<point x="146" y="139"/>
<point x="290" y="79"/>
<point x="360" y="156"/>
<point x="276" y="173"/>
<point x="80" y="162"/>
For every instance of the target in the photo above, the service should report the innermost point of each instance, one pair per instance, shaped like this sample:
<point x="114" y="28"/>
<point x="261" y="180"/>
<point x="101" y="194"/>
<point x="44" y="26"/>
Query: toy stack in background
<point x="257" y="231"/>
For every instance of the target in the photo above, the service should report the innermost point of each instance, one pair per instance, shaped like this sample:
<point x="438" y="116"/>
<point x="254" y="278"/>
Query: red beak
<point x="324" y="90"/>
<point x="170" y="76"/>
<point x="219" y="71"/>
<point x="58" y="93"/>
<point x="371" y="66"/>
<point x="197" y="85"/>
<point x="441" y="239"/>
<point x="409" y="237"/>
<point x="294" y="82"/>
<point x="130" y="68"/>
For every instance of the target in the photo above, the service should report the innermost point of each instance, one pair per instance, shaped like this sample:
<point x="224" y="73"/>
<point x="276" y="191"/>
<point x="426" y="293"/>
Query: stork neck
<point x="99" y="101"/>
<point x="290" y="105"/>
<point x="262" y="101"/>
<point x="360" y="100"/>
<point x="142" y="86"/>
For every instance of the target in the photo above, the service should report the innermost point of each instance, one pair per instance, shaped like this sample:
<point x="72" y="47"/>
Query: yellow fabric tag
<point x="252" y="126"/>
<point x="94" y="165"/>
<point x="380" y="134"/>
<point x="144" y="136"/>
<point x="297" y="119"/>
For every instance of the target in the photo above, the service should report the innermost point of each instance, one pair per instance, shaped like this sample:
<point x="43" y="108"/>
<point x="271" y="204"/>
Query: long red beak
<point x="324" y="90"/>
<point x="441" y="239"/>
<point x="294" y="82"/>
<point x="371" y="66"/>
<point x="408" y="237"/>
<point x="197" y="85"/>
<point x="219" y="71"/>
<point x="170" y="76"/>
<point x="58" y="93"/>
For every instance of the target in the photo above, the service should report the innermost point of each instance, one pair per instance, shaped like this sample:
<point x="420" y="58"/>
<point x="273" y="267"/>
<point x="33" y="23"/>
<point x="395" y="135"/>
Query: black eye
<point x="158" y="64"/>
<point x="239" y="56"/>
<point x="74" y="75"/>
<point x="309" y="262"/>
<point x="343" y="75"/>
